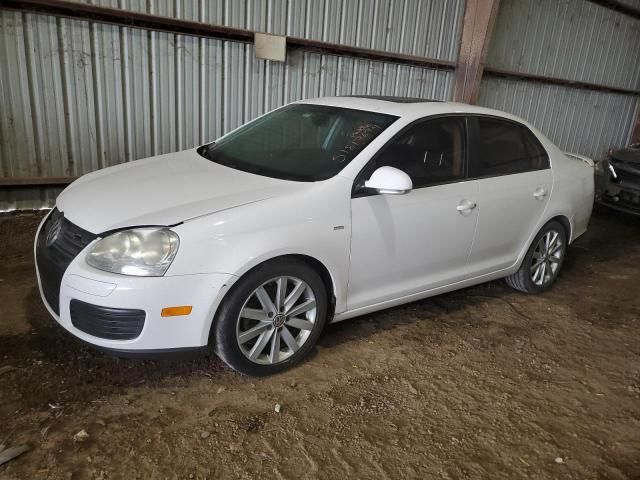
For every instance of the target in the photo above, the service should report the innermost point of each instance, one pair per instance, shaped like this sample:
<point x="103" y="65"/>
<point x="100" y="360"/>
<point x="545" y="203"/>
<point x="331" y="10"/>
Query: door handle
<point x="465" y="207"/>
<point x="540" y="193"/>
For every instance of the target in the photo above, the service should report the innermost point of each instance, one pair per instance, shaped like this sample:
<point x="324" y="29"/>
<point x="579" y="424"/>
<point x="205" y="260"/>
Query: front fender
<point x="314" y="222"/>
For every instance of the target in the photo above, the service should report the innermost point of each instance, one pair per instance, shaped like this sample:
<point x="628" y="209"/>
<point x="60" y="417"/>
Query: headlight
<point x="140" y="252"/>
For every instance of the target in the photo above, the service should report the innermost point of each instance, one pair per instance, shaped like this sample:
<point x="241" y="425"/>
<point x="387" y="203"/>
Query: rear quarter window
<point x="505" y="148"/>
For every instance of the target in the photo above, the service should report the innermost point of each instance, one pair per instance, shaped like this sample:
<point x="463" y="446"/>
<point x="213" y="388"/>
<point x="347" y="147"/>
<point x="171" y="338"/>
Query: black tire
<point x="522" y="280"/>
<point x="225" y="324"/>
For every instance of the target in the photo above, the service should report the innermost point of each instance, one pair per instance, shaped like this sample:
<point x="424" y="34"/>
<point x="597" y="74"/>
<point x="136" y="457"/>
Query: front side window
<point x="505" y="148"/>
<point x="430" y="152"/>
<point x="299" y="142"/>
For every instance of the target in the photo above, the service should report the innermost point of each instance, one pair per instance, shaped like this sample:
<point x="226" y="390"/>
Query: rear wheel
<point x="542" y="263"/>
<point x="271" y="318"/>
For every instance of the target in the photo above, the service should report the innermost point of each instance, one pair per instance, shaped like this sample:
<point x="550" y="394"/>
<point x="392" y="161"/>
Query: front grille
<point x="58" y="243"/>
<point x="106" y="322"/>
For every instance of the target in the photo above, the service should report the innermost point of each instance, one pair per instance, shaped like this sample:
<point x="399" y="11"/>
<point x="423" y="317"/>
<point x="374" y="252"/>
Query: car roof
<point x="388" y="98"/>
<point x="406" y="106"/>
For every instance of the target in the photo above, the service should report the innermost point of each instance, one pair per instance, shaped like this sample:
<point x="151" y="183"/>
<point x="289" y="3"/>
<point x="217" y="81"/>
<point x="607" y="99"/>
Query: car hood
<point x="163" y="190"/>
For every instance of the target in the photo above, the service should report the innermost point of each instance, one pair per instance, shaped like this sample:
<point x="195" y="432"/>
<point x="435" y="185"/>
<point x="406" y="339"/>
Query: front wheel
<point x="271" y="318"/>
<point x="542" y="263"/>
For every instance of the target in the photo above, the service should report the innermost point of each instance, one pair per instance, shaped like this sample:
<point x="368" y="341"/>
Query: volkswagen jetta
<point x="319" y="211"/>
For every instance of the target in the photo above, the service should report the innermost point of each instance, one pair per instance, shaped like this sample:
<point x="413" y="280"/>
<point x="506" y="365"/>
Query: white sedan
<point x="317" y="212"/>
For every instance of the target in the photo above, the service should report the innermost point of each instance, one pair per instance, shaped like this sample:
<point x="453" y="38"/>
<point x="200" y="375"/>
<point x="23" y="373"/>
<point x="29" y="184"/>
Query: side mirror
<point x="389" y="180"/>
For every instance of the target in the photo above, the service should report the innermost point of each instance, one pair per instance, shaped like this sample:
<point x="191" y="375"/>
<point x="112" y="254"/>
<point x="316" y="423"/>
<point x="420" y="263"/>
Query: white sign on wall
<point x="271" y="47"/>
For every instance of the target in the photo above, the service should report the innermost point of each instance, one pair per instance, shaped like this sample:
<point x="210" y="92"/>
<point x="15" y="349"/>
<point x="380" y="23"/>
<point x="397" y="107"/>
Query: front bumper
<point x="150" y="294"/>
<point x="621" y="193"/>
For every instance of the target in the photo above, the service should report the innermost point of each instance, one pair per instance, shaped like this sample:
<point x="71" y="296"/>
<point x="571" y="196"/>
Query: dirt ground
<point x="481" y="383"/>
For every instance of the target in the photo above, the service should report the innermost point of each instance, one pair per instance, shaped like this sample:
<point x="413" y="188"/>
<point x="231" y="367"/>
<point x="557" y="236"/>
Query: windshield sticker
<point x="359" y="136"/>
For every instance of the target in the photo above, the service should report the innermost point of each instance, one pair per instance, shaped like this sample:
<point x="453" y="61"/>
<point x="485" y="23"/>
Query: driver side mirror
<point x="390" y="181"/>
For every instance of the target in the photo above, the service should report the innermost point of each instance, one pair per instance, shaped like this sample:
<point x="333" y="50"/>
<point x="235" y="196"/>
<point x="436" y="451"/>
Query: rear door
<point x="514" y="185"/>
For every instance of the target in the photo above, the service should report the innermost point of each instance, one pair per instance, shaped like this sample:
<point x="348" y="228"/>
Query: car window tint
<point x="431" y="152"/>
<point x="537" y="154"/>
<point x="299" y="142"/>
<point x="505" y="148"/>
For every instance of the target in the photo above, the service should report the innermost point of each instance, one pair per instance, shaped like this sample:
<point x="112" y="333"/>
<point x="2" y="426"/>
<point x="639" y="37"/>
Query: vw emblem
<point x="54" y="232"/>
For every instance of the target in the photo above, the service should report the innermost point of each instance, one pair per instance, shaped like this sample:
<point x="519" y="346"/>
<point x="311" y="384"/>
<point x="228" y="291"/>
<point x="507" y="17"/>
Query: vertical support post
<point x="635" y="128"/>
<point x="479" y="19"/>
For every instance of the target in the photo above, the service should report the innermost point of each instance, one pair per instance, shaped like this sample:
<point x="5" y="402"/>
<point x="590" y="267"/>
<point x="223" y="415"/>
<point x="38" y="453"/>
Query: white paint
<point x="389" y="180"/>
<point x="393" y="248"/>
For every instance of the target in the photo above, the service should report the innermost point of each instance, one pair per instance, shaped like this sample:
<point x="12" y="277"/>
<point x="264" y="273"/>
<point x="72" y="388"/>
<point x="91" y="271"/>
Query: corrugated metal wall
<point x="570" y="39"/>
<point x="574" y="40"/>
<point x="78" y="96"/>
<point x="577" y="120"/>
<point x="426" y="28"/>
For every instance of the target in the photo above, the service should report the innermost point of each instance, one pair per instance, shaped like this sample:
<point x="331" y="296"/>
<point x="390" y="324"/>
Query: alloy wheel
<point x="276" y="320"/>
<point x="546" y="258"/>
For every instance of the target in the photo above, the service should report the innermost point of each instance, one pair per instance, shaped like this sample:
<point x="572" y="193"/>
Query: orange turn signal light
<point x="176" y="311"/>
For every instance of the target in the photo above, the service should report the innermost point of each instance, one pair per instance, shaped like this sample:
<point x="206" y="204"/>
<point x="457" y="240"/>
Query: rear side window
<point x="505" y="148"/>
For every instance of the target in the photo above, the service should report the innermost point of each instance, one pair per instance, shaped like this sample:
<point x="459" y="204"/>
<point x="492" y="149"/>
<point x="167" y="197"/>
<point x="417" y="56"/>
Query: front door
<point x="406" y="244"/>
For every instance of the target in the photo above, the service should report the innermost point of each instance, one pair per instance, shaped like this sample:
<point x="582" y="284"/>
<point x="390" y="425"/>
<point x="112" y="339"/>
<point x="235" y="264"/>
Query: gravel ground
<point x="481" y="383"/>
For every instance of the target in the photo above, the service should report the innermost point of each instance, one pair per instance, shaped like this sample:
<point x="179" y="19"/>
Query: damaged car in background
<point x="618" y="180"/>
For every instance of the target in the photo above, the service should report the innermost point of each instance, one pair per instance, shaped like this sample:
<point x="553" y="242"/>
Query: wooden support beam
<point x="479" y="18"/>
<point x="635" y="129"/>
<point x="35" y="181"/>
<point x="563" y="82"/>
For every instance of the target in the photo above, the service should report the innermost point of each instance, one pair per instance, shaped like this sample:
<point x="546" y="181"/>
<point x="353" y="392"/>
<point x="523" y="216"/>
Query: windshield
<point x="299" y="142"/>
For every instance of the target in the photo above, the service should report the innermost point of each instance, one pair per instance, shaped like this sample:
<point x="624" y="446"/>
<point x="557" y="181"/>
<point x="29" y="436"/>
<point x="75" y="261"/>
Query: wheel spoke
<point x="271" y="331"/>
<point x="556" y="248"/>
<point x="265" y="301"/>
<point x="536" y="265"/>
<point x="254" y="314"/>
<point x="536" y="274"/>
<point x="274" y="354"/>
<point x="300" y="323"/>
<point x="294" y="295"/>
<point x="303" y="307"/>
<point x="253" y="332"/>
<point x="281" y="292"/>
<point x="289" y="340"/>
<point x="260" y="344"/>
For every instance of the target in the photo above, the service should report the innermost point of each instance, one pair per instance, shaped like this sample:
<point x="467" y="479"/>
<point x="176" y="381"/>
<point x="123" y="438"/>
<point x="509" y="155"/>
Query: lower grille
<point x="106" y="322"/>
<point x="58" y="243"/>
